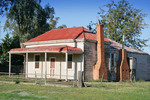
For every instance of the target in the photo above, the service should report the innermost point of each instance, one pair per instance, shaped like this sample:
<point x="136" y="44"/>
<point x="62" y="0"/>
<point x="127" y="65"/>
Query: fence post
<point x="74" y="83"/>
<point x="12" y="77"/>
<point x="35" y="78"/>
<point x="102" y="78"/>
<point x="80" y="79"/>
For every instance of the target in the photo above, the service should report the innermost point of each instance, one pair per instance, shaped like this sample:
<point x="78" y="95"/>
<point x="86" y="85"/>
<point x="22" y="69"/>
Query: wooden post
<point x="9" y="64"/>
<point x="66" y="66"/>
<point x="35" y="78"/>
<point x="83" y="66"/>
<point x="26" y="65"/>
<point x="45" y="66"/>
<point x="80" y="79"/>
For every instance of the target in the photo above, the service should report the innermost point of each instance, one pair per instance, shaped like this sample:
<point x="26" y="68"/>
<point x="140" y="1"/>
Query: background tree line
<point x="26" y="19"/>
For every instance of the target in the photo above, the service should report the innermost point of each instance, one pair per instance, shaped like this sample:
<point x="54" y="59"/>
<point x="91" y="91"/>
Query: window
<point x="37" y="59"/>
<point x="69" y="61"/>
<point x="113" y="59"/>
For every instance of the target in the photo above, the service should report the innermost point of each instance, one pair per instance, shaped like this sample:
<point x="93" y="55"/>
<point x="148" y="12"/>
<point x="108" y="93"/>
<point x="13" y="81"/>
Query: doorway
<point x="52" y="66"/>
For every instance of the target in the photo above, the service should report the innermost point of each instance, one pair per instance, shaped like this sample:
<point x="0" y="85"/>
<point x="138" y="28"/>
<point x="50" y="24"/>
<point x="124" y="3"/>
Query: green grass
<point x="22" y="79"/>
<point x="104" y="91"/>
<point x="16" y="78"/>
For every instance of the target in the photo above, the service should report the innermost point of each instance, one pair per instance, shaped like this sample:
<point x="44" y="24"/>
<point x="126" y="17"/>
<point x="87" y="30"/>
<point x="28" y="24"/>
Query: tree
<point x="28" y="19"/>
<point x="62" y="26"/>
<point x="41" y="20"/>
<point x="7" y="44"/>
<point x="4" y="5"/>
<point x="5" y="47"/>
<point x="53" y="22"/>
<point x="25" y="16"/>
<point x="122" y="18"/>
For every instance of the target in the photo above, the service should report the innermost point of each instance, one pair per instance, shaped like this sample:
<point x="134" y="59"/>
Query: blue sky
<point x="81" y="12"/>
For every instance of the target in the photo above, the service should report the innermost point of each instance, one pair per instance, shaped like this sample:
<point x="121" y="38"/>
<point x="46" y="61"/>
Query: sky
<point x="81" y="12"/>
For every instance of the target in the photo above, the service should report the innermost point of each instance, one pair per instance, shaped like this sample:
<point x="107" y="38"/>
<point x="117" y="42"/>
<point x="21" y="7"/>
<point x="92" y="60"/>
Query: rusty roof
<point x="118" y="46"/>
<point x="61" y="34"/>
<point x="55" y="48"/>
<point x="77" y="33"/>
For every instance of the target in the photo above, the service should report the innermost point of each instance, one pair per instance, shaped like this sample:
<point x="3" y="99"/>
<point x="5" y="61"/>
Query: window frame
<point x="71" y="62"/>
<point x="37" y="61"/>
<point x="49" y="67"/>
<point x="114" y="60"/>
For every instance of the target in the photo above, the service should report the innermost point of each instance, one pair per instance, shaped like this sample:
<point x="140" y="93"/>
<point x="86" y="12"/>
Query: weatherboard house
<point x="62" y="53"/>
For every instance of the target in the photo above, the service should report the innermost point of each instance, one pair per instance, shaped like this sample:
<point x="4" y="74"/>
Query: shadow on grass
<point x="17" y="82"/>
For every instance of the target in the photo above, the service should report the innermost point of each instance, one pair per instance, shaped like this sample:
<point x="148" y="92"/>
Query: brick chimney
<point x="99" y="69"/>
<point x="124" y="67"/>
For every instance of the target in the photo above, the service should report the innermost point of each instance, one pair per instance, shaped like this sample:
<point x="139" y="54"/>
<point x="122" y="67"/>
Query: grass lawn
<point x="21" y="78"/>
<point x="104" y="91"/>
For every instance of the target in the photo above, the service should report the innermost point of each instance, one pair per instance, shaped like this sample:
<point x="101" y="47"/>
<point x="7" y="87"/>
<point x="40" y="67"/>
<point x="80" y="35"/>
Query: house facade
<point x="61" y="53"/>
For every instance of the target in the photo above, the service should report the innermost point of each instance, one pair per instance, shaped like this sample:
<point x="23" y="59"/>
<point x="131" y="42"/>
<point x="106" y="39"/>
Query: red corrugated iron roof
<point x="66" y="33"/>
<point x="76" y="33"/>
<point x="56" y="48"/>
<point x="60" y="34"/>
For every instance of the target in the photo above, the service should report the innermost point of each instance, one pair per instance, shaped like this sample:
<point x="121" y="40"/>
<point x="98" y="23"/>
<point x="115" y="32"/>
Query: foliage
<point x="7" y="44"/>
<point x="4" y="5"/>
<point x="122" y="18"/>
<point x="28" y="19"/>
<point x="27" y="15"/>
<point x="53" y="22"/>
<point x="92" y="28"/>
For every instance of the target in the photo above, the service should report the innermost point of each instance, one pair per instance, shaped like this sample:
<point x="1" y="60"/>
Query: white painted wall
<point x="79" y="44"/>
<point x="60" y="68"/>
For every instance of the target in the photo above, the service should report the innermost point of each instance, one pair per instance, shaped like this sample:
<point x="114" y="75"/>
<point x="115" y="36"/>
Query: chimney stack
<point x="100" y="70"/>
<point x="124" y="67"/>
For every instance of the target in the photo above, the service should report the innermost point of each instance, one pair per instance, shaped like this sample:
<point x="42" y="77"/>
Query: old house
<point x="61" y="53"/>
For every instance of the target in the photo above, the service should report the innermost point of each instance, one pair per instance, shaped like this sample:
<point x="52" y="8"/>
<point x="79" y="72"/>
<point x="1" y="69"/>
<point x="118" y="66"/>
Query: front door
<point x="52" y="66"/>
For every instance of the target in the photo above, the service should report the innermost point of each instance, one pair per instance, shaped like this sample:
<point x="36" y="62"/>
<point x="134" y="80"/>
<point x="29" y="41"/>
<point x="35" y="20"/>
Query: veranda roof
<point x="55" y="48"/>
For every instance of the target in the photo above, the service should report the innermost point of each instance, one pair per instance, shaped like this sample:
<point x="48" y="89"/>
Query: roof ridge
<point x="66" y="28"/>
<point x="52" y="30"/>
<point x="61" y="29"/>
<point x="112" y="40"/>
